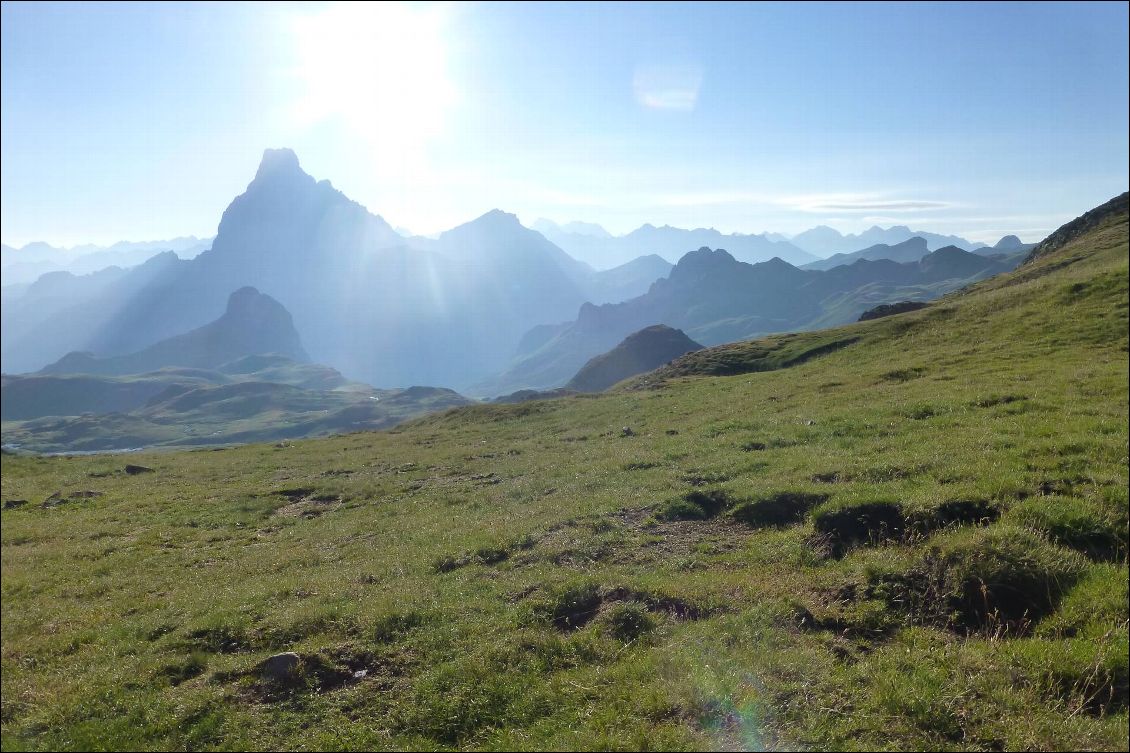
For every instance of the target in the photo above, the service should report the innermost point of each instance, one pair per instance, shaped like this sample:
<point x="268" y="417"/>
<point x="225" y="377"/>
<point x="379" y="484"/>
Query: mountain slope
<point x="915" y="541"/>
<point x="66" y="313"/>
<point x="32" y="396"/>
<point x="1098" y="218"/>
<point x="628" y="280"/>
<point x="912" y="249"/>
<point x="641" y="351"/>
<point x="199" y="413"/>
<point x="252" y="323"/>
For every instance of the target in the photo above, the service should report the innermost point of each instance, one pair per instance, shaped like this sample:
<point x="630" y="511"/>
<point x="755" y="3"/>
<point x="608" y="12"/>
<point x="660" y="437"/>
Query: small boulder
<point x="627" y="432"/>
<point x="280" y="667"/>
<point x="53" y="499"/>
<point x="133" y="470"/>
<point x="11" y="504"/>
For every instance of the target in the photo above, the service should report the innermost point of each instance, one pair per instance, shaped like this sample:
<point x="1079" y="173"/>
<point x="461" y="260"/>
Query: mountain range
<point x="914" y="249"/>
<point x="601" y="250"/>
<point x="824" y="241"/>
<point x="382" y="308"/>
<point x="716" y="299"/>
<point x="459" y="309"/>
<point x="24" y="265"/>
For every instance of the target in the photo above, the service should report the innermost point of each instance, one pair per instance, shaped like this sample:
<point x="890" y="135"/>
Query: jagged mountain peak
<point x="278" y="162"/>
<point x="249" y="302"/>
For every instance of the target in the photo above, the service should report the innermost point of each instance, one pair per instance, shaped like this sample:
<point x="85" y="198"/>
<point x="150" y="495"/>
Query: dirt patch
<point x="626" y="536"/>
<point x="309" y="508"/>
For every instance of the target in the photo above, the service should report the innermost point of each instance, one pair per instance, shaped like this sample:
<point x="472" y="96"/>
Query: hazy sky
<point x="143" y="121"/>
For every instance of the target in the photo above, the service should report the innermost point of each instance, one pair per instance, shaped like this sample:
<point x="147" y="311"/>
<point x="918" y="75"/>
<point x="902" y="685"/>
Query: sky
<point x="142" y="121"/>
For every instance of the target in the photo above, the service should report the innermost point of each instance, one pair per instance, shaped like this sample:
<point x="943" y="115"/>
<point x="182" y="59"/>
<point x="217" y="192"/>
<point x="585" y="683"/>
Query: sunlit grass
<point x="573" y="611"/>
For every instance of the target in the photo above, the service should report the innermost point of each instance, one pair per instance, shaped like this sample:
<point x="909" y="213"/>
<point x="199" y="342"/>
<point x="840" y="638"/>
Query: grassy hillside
<point x="904" y="533"/>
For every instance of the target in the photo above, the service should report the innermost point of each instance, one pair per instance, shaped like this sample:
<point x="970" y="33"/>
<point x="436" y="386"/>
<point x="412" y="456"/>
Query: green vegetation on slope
<point x="904" y="533"/>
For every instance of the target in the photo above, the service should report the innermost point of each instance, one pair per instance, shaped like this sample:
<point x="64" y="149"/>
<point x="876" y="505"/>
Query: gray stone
<point x="280" y="667"/>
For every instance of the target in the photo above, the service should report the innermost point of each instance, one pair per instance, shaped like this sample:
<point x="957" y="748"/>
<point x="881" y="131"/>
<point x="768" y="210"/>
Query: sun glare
<point x="379" y="69"/>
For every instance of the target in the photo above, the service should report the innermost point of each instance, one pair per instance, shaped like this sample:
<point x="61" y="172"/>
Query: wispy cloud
<point x="860" y="203"/>
<point x="710" y="198"/>
<point x="667" y="87"/>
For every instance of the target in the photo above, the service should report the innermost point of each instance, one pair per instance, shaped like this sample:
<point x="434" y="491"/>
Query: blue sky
<point x="143" y="121"/>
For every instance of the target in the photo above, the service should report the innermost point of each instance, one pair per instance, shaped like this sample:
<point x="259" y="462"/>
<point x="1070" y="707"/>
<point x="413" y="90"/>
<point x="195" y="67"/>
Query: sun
<point x="378" y="69"/>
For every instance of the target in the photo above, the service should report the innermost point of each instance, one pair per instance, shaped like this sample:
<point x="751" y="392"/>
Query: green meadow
<point x="905" y="533"/>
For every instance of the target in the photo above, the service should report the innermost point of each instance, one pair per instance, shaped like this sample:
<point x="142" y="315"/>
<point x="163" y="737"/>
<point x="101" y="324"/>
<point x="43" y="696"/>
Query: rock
<point x="280" y="667"/>
<point x="11" y="504"/>
<point x="671" y="432"/>
<point x="890" y="309"/>
<point x="133" y="470"/>
<point x="627" y="432"/>
<point x="85" y="494"/>
<point x="53" y="499"/>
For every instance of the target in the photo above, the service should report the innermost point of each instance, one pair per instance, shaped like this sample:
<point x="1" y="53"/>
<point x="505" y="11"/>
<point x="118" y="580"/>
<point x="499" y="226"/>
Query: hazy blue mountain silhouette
<point x="62" y="312"/>
<point x="628" y="280"/>
<point x="1007" y="245"/>
<point x="549" y="229"/>
<point x="911" y="249"/>
<point x="671" y="243"/>
<point x="824" y="241"/>
<point x="252" y="324"/>
<point x="26" y="264"/>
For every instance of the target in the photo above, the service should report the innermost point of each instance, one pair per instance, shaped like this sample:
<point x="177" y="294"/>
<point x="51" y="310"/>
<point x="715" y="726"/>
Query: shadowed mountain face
<point x="716" y="299"/>
<point x="640" y="352"/>
<point x="253" y="323"/>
